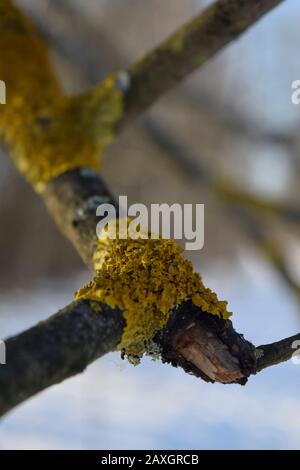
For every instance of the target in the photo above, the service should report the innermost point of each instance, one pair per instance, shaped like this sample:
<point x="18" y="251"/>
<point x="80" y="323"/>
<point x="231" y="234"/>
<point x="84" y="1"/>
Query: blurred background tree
<point x="227" y="137"/>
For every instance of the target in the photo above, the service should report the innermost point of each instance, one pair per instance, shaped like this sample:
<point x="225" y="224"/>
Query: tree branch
<point x="240" y="206"/>
<point x="56" y="349"/>
<point x="189" y="48"/>
<point x="82" y="52"/>
<point x="275" y="353"/>
<point x="72" y="199"/>
<point x="66" y="343"/>
<point x="63" y="345"/>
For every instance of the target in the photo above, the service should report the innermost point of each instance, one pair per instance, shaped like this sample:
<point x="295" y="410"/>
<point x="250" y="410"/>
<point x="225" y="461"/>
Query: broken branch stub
<point x="206" y="346"/>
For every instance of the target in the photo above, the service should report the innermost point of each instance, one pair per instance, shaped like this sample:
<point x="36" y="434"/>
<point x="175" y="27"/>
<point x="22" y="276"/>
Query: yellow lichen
<point x="176" y="42"/>
<point x="146" y="278"/>
<point x="46" y="132"/>
<point x="95" y="306"/>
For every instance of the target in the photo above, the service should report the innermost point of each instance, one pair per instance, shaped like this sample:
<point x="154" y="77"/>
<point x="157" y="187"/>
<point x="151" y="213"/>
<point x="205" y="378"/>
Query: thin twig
<point x="67" y="342"/>
<point x="275" y="353"/>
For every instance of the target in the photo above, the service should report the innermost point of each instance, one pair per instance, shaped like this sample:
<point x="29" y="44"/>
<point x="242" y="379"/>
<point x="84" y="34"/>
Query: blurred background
<point x="227" y="137"/>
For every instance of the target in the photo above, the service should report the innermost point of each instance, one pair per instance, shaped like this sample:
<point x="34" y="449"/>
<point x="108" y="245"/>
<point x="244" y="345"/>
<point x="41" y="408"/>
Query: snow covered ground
<point x="114" y="405"/>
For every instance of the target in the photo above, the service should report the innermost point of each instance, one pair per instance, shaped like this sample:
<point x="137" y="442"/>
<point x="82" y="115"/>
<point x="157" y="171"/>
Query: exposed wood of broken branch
<point x="59" y="347"/>
<point x="66" y="343"/>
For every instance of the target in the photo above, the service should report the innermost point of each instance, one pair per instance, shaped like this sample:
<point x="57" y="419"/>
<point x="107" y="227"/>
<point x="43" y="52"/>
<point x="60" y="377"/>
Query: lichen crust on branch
<point x="145" y="278"/>
<point x="46" y="132"/>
